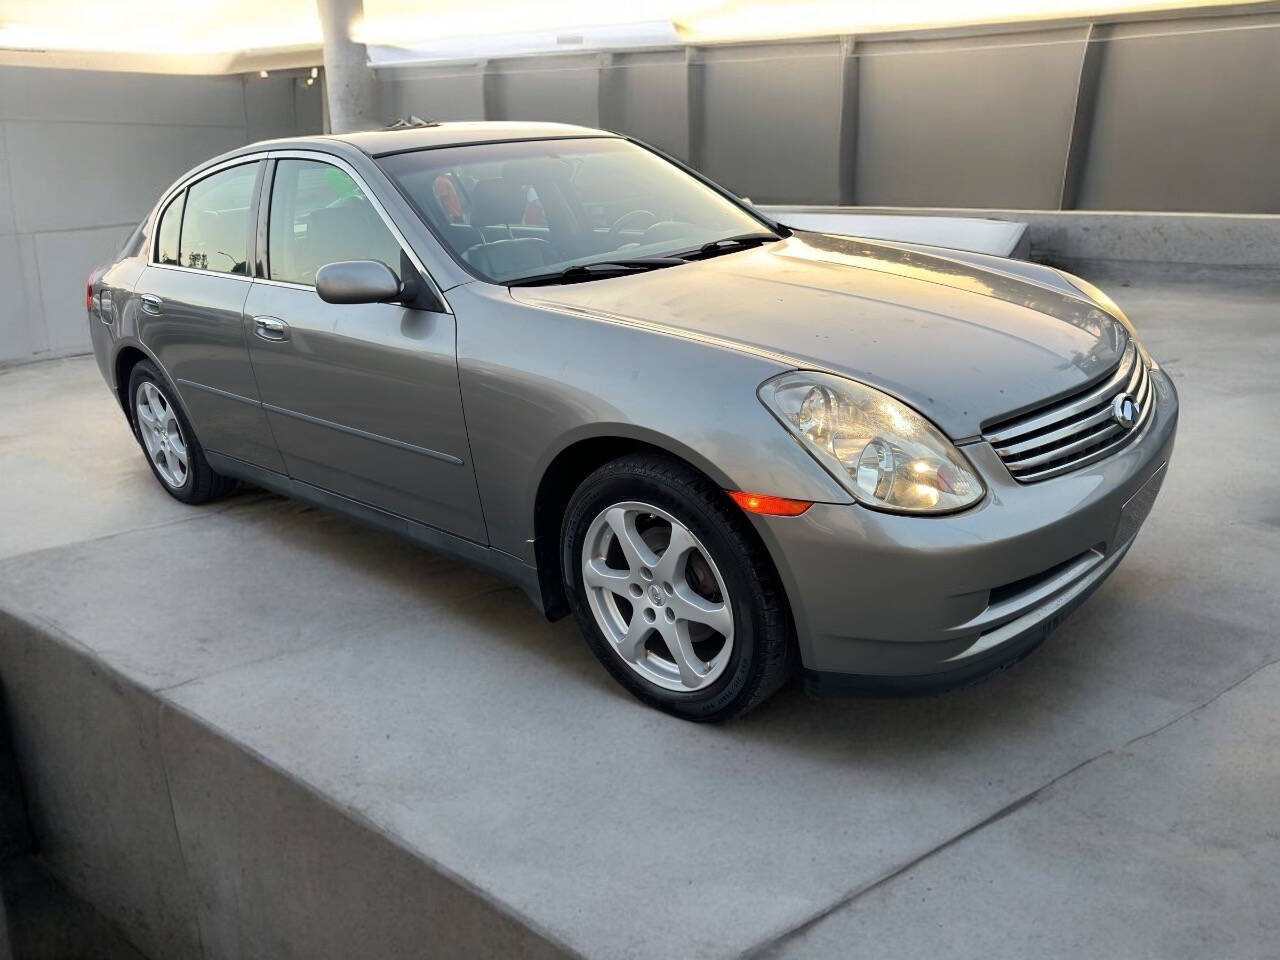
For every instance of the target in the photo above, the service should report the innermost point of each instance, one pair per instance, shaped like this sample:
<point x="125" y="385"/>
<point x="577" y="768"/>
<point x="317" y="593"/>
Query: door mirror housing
<point x="358" y="281"/>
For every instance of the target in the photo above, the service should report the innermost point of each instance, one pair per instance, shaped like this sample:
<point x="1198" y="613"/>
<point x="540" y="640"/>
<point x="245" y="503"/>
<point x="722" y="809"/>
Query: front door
<point x="363" y="399"/>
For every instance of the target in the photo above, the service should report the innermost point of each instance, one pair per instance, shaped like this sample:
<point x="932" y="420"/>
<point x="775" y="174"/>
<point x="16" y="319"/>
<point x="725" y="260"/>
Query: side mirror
<point x="357" y="281"/>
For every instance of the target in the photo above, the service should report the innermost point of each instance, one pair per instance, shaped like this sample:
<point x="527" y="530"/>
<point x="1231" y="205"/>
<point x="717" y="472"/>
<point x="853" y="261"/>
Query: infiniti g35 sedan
<point x="731" y="450"/>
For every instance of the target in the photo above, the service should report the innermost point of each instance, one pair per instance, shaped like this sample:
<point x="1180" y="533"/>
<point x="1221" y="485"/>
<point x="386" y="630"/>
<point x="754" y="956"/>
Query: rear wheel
<point x="673" y="591"/>
<point x="172" y="450"/>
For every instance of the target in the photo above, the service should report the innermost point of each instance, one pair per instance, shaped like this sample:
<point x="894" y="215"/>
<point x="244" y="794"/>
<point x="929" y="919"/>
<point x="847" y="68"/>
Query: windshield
<point x="512" y="211"/>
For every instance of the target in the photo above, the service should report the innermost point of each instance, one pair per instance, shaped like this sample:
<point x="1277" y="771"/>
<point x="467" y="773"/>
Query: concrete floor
<point x="1114" y="795"/>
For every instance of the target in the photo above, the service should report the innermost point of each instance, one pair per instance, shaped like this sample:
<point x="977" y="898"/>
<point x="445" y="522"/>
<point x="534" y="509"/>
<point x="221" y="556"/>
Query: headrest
<point x="497" y="201"/>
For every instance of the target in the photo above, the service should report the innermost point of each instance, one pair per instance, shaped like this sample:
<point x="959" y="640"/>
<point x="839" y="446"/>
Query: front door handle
<point x="151" y="304"/>
<point x="270" y="328"/>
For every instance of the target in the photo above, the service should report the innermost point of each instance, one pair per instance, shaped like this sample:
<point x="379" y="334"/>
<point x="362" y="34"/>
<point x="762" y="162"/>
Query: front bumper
<point x="893" y="603"/>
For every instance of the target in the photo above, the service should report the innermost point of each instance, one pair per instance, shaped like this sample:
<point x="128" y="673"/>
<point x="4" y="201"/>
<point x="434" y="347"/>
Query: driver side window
<point x="319" y="215"/>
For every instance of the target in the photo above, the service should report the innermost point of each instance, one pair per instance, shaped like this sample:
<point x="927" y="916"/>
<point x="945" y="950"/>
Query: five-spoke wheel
<point x="674" y="590"/>
<point x="657" y="596"/>
<point x="161" y="434"/>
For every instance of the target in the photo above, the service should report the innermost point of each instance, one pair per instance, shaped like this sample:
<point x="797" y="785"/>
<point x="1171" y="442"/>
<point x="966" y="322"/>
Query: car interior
<point x="516" y="217"/>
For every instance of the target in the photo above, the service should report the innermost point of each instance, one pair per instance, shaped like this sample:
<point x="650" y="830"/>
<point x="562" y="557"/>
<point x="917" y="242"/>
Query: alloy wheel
<point x="657" y="596"/>
<point x="161" y="434"/>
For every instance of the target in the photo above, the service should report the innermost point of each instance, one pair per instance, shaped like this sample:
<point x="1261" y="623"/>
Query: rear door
<point x="362" y="399"/>
<point x="191" y="302"/>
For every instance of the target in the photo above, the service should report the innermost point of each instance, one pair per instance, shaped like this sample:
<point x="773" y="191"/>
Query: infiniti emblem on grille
<point x="1124" y="411"/>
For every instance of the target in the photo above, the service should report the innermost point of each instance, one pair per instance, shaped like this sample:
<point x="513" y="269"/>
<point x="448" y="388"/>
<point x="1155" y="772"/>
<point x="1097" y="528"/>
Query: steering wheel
<point x="626" y="220"/>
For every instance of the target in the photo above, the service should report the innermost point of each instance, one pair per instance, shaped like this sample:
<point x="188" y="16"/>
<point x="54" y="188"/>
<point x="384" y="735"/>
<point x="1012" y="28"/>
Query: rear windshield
<point x="515" y="210"/>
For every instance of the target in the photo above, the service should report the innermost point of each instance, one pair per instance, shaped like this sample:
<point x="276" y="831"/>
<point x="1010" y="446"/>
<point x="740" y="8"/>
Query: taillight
<point x="88" y="294"/>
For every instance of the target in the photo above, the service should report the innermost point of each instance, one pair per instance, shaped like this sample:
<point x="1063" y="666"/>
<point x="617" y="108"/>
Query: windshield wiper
<point x="597" y="270"/>
<point x="743" y="241"/>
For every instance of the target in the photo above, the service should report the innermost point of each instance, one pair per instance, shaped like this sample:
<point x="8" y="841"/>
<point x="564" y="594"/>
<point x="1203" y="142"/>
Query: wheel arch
<point x="576" y="459"/>
<point x="128" y="355"/>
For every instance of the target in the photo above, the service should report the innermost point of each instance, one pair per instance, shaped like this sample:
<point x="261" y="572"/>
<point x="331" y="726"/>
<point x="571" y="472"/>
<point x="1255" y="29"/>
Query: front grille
<point x="1079" y="430"/>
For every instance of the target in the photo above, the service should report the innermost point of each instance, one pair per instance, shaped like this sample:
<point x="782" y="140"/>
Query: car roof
<point x="379" y="143"/>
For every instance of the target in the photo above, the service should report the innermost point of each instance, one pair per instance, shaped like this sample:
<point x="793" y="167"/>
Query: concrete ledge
<point x="999" y="238"/>
<point x="195" y="846"/>
<point x="1235" y="242"/>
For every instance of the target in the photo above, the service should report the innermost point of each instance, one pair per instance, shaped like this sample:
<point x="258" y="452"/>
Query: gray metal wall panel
<point x="1179" y="113"/>
<point x="6" y="196"/>
<point x="559" y="89"/>
<point x="99" y="174"/>
<point x="967" y="122"/>
<point x="37" y="329"/>
<point x="83" y="155"/>
<point x="450" y="93"/>
<point x="1187" y="121"/>
<point x="308" y="109"/>
<point x="38" y="93"/>
<point x="17" y="339"/>
<point x="274" y="106"/>
<point x="63" y="261"/>
<point x="646" y="95"/>
<point x="770" y="120"/>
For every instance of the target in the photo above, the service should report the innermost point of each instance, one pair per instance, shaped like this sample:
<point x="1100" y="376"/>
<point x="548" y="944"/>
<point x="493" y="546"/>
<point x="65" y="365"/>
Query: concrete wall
<point x="83" y="155"/>
<point x="1173" y="114"/>
<point x="197" y="848"/>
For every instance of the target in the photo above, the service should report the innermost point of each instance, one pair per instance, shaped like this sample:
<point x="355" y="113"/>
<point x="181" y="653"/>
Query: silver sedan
<point x="731" y="450"/>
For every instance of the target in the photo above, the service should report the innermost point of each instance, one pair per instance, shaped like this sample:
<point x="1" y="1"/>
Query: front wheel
<point x="673" y="591"/>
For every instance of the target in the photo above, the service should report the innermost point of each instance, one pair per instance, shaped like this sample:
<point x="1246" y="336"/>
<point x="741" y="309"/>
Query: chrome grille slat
<point x="1066" y="431"/>
<point x="1069" y="408"/>
<point x="1100" y="454"/>
<point x="1077" y="431"/>
<point x="1143" y="392"/>
<point x="1057" y="453"/>
<point x="1139" y="376"/>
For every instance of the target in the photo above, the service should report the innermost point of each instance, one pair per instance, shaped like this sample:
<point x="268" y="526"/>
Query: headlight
<point x="1101" y="298"/>
<point x="886" y="455"/>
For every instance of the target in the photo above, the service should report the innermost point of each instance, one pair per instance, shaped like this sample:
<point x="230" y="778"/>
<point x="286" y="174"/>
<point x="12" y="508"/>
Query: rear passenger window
<point x="215" y="224"/>
<point x="319" y="215"/>
<point x="167" y="235"/>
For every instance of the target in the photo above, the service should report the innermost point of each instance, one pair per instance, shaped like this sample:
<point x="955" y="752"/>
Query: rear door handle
<point x="270" y="328"/>
<point x="151" y="303"/>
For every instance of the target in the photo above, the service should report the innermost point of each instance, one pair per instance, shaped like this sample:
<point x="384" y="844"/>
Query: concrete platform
<point x="257" y="730"/>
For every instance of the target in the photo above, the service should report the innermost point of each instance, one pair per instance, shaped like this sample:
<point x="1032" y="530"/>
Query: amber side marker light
<point x="769" y="506"/>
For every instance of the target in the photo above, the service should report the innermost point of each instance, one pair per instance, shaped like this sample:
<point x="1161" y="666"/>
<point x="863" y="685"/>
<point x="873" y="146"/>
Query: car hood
<point x="964" y="339"/>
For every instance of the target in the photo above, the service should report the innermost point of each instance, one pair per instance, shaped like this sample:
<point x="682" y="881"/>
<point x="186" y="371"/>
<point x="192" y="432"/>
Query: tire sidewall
<point x="602" y="491"/>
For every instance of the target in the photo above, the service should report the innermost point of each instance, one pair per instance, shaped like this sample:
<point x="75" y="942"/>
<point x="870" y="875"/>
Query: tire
<point x="717" y="599"/>
<point x="163" y="432"/>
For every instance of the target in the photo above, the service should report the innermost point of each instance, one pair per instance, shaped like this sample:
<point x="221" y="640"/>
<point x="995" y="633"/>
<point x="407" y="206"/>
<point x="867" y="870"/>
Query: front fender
<point x="536" y="381"/>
